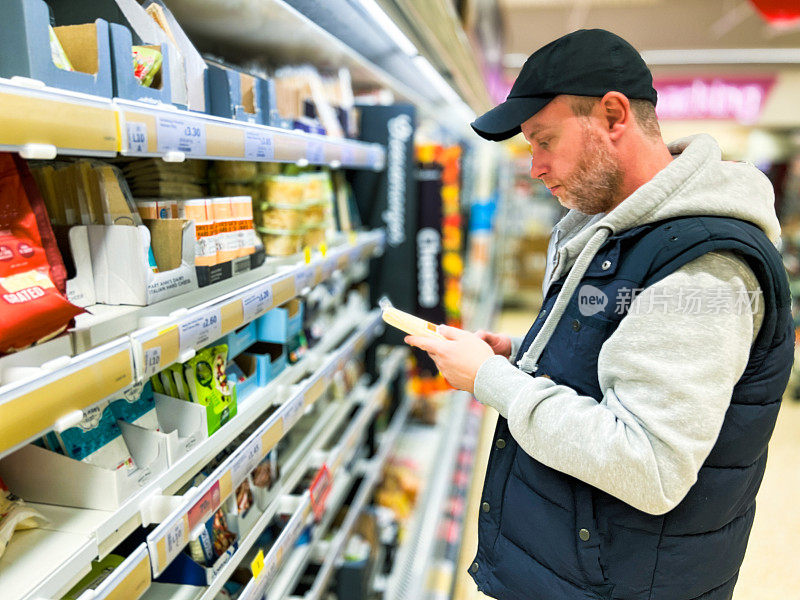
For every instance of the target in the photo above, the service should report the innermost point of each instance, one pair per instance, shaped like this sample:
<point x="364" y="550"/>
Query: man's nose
<point x="538" y="169"/>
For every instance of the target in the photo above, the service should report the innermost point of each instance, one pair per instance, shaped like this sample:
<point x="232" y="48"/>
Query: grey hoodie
<point x="667" y="374"/>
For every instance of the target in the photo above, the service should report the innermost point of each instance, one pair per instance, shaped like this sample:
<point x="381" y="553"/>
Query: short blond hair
<point x="643" y="111"/>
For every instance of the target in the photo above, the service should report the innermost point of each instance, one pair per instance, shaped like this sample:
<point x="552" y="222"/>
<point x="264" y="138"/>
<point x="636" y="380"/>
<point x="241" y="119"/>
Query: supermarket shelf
<point x="407" y="579"/>
<point x="172" y="534"/>
<point x="364" y="493"/>
<point x="63" y="386"/>
<point x="94" y="533"/>
<point x="60" y="122"/>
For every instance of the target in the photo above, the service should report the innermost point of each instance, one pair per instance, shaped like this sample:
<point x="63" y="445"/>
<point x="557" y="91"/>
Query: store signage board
<point x="739" y="99"/>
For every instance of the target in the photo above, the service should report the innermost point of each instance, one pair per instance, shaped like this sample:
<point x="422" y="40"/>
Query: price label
<point x="292" y="413"/>
<point x="174" y="540"/>
<point x="302" y="280"/>
<point x="348" y="154"/>
<point x="201" y="330"/>
<point x="246" y="461"/>
<point x="152" y="361"/>
<point x="257" y="302"/>
<point x="259" y="145"/>
<point x="258" y="564"/>
<point x="315" y="151"/>
<point x="137" y="137"/>
<point x="319" y="490"/>
<point x="181" y="134"/>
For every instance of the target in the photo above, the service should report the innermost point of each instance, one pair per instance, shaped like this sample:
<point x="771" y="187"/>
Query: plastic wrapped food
<point x="15" y="516"/>
<point x="314" y="236"/>
<point x="236" y="171"/>
<point x="32" y="273"/>
<point x="281" y="242"/>
<point x="285" y="189"/>
<point x="146" y="64"/>
<point x="282" y="218"/>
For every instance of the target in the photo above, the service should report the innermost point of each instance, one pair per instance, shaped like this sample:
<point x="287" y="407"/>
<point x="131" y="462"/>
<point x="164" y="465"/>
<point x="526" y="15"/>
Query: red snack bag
<point x="32" y="309"/>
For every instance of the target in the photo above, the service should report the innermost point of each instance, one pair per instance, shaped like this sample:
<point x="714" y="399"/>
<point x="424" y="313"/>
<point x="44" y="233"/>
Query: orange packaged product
<point x="32" y="274"/>
<point x="226" y="228"/>
<point x="205" y="254"/>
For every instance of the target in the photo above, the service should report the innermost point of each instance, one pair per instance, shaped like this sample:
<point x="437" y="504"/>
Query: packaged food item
<point x="208" y="385"/>
<point x="278" y="242"/>
<point x="100" y="571"/>
<point x="314" y="236"/>
<point x="178" y="378"/>
<point x="15" y="515"/>
<point x="214" y="540"/>
<point x="97" y="440"/>
<point x="146" y="64"/>
<point x="32" y="273"/>
<point x="199" y="211"/>
<point x="296" y="347"/>
<point x="244" y="498"/>
<point x="138" y="409"/>
<point x="236" y="170"/>
<point x="407" y="322"/>
<point x="285" y="189"/>
<point x="282" y="217"/>
<point x="226" y="227"/>
<point x="57" y="52"/>
<point x="242" y="208"/>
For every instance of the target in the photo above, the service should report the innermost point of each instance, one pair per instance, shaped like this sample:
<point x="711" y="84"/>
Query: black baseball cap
<point x="587" y="62"/>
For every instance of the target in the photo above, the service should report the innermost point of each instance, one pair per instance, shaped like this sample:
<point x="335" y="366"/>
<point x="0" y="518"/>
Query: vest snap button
<point x="485" y="507"/>
<point x="576" y="325"/>
<point x="584" y="535"/>
<point x="501" y="443"/>
<point x="474" y="568"/>
<point x="606" y="265"/>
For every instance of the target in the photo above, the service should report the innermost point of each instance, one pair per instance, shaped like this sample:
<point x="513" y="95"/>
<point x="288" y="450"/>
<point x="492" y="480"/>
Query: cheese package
<point x="146" y="64"/>
<point x="15" y="515"/>
<point x="407" y="322"/>
<point x="97" y="440"/>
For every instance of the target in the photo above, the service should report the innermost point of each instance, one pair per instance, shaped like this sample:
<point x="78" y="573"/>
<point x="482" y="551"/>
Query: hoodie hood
<point x="696" y="183"/>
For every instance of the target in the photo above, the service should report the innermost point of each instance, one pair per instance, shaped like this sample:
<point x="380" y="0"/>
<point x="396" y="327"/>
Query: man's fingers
<point x="423" y="343"/>
<point x="451" y="333"/>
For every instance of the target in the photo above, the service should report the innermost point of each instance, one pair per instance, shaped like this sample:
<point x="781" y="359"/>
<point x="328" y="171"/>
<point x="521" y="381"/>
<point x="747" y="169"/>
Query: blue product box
<point x="25" y="49"/>
<point x="233" y="94"/>
<point x="280" y="324"/>
<point x="125" y="84"/>
<point x="139" y="410"/>
<point x="261" y="363"/>
<point x="239" y="340"/>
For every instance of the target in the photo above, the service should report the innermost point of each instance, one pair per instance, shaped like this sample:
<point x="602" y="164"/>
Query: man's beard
<point x="595" y="183"/>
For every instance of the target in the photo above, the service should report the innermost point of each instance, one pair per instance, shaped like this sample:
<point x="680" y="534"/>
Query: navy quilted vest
<point x="549" y="536"/>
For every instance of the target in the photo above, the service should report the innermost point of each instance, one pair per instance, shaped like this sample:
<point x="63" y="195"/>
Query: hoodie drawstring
<point x="529" y="360"/>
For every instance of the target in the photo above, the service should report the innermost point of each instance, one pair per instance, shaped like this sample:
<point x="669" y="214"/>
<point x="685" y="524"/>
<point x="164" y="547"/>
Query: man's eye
<point x="543" y="143"/>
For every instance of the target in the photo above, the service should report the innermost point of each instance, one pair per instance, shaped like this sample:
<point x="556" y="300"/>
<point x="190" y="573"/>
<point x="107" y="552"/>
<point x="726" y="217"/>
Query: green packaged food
<point x="146" y="64"/>
<point x="208" y="385"/>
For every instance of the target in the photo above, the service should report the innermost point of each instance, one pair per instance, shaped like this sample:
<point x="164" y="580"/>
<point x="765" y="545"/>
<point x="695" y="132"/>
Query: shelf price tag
<point x="257" y="302"/>
<point x="176" y="538"/>
<point x="292" y="413"/>
<point x="152" y="361"/>
<point x="319" y="490"/>
<point x="200" y="330"/>
<point x="137" y="137"/>
<point x="348" y="154"/>
<point x="259" y="145"/>
<point x="181" y="134"/>
<point x="302" y="279"/>
<point x="246" y="461"/>
<point x="258" y="564"/>
<point x="315" y="151"/>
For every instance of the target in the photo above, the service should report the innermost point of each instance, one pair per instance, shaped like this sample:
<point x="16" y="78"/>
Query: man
<point x="635" y="414"/>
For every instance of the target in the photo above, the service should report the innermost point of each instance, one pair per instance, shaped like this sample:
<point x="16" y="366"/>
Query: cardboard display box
<point x="234" y="95"/>
<point x="25" y="49"/>
<point x="125" y="84"/>
<point x="280" y="324"/>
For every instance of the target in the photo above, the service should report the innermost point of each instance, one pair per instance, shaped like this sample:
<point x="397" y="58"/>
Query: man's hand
<point x="458" y="358"/>
<point x="500" y="344"/>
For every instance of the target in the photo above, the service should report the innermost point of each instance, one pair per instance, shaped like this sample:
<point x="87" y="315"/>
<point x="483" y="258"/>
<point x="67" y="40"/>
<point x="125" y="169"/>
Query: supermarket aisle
<point x="770" y="569"/>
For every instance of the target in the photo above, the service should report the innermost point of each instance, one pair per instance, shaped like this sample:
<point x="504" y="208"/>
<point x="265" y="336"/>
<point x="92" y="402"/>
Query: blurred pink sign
<point x="712" y="98"/>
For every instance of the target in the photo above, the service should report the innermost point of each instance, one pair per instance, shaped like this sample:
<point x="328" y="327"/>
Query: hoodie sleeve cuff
<point x="498" y="383"/>
<point x="516" y="342"/>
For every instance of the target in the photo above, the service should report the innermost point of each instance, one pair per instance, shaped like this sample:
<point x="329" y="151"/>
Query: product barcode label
<point x="152" y="361"/>
<point x="181" y="134"/>
<point x="259" y="145"/>
<point x="315" y="151"/>
<point x="201" y="330"/>
<point x="137" y="137"/>
<point x="257" y="302"/>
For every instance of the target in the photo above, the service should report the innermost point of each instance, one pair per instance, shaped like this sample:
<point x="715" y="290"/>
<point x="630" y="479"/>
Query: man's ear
<point x="616" y="114"/>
